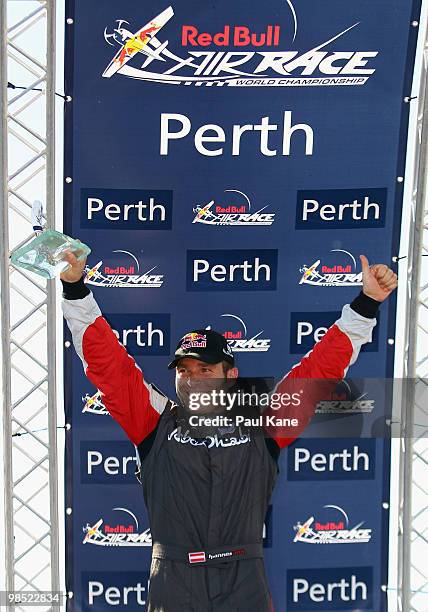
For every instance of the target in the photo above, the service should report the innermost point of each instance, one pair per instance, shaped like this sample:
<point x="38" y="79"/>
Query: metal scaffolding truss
<point x="413" y="489"/>
<point x="27" y="117"/>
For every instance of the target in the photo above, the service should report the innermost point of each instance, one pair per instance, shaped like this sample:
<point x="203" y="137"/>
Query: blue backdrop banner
<point x="227" y="166"/>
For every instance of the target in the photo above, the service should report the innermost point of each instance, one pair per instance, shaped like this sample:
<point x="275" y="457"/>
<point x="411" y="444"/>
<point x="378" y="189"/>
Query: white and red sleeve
<point x="319" y="371"/>
<point x="135" y="404"/>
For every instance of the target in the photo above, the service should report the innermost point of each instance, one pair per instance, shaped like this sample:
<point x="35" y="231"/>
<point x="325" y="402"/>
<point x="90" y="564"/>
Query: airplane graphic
<point x="144" y="41"/>
<point x="305" y="529"/>
<point x="94" y="404"/>
<point x="311" y="272"/>
<point x="93" y="272"/>
<point x="204" y="212"/>
<point x="93" y="531"/>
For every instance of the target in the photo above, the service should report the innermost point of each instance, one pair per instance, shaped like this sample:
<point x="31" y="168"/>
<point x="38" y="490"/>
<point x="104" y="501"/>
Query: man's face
<point x="189" y="367"/>
<point x="195" y="376"/>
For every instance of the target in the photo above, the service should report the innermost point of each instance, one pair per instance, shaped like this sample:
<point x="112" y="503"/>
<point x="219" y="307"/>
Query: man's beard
<point x="188" y="389"/>
<point x="190" y="393"/>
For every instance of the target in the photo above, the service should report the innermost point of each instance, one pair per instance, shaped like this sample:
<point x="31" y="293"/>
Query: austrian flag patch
<point x="197" y="557"/>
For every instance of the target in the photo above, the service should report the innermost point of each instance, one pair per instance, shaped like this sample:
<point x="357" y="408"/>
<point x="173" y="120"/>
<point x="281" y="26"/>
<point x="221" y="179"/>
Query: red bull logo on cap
<point x="194" y="340"/>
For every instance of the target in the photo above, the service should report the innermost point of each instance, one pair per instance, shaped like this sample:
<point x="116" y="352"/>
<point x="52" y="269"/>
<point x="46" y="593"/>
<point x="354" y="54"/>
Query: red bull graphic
<point x="194" y="340"/>
<point x="94" y="403"/>
<point x="129" y="276"/>
<point x="323" y="65"/>
<point x="338" y="275"/>
<point x="238" y="340"/>
<point x="237" y="36"/>
<point x="346" y="398"/>
<point x="136" y="43"/>
<point x="216" y="214"/>
<point x="331" y="531"/>
<point x="123" y="533"/>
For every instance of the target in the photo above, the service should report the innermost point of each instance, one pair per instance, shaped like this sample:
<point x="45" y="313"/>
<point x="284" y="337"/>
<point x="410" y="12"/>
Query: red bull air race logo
<point x="122" y="531"/>
<point x="346" y="398"/>
<point x="327" y="531"/>
<point x="126" y="274"/>
<point x="238" y="338"/>
<point x="230" y="214"/>
<point x="205" y="58"/>
<point x="340" y="272"/>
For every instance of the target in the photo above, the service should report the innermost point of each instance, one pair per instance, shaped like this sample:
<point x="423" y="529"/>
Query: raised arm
<point x="318" y="371"/>
<point x="130" y="400"/>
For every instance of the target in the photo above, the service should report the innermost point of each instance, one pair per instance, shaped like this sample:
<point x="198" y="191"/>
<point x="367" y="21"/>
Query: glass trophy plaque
<point x="44" y="255"/>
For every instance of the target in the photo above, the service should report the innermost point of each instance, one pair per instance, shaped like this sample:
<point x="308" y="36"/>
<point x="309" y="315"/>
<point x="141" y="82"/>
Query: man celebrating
<point x="206" y="496"/>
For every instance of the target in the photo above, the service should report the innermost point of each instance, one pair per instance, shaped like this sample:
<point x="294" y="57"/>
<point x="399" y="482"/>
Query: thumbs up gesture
<point x="75" y="271"/>
<point x="378" y="280"/>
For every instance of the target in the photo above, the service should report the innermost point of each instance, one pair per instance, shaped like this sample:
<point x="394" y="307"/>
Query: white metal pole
<point x="5" y="308"/>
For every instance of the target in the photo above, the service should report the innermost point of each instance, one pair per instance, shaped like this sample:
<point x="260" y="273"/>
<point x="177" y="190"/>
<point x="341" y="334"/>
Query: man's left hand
<point x="378" y="280"/>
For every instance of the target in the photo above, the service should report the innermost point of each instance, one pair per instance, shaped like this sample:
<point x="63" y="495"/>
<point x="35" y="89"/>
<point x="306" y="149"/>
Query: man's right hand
<point x="75" y="271"/>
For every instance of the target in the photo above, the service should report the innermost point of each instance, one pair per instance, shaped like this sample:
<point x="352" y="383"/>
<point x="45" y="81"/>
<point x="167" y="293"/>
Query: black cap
<point x="204" y="344"/>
